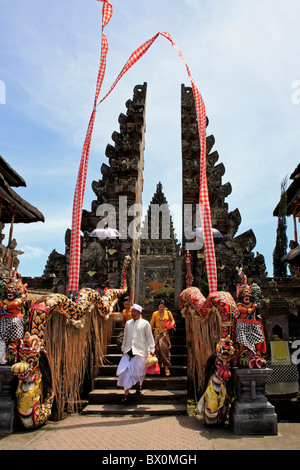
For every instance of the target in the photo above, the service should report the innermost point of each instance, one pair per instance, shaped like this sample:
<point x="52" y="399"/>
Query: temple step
<point x="136" y="409"/>
<point x="161" y="395"/>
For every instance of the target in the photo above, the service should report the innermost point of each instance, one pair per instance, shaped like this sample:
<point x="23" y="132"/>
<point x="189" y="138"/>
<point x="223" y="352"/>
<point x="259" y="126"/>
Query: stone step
<point x="176" y="349"/>
<point x="147" y="313"/>
<point x="161" y="395"/>
<point x="114" y="359"/>
<point x="180" y="322"/>
<point x="111" y="369"/>
<point x="136" y="409"/>
<point x="179" y="339"/>
<point x="153" y="396"/>
<point x="179" y="333"/>
<point x="151" y="382"/>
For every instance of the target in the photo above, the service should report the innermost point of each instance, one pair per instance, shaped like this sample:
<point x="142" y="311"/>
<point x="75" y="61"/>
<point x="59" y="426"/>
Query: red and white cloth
<point x="205" y="212"/>
<point x="75" y="248"/>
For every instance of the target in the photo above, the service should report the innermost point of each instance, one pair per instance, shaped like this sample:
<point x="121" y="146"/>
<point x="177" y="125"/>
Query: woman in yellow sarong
<point x="161" y="335"/>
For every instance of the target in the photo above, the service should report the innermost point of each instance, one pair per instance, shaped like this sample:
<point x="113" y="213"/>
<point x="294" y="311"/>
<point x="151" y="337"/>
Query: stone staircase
<point x="161" y="395"/>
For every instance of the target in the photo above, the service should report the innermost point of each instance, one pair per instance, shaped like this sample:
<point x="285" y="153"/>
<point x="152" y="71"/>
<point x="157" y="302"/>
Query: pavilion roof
<point x="10" y="175"/>
<point x="11" y="202"/>
<point x="293" y="195"/>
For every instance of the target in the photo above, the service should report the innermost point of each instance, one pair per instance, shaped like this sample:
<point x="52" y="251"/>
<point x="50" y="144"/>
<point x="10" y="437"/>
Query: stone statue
<point x="12" y="322"/>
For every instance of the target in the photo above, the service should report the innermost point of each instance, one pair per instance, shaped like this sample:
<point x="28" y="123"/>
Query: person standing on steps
<point x="127" y="310"/>
<point x="138" y="342"/>
<point x="161" y="335"/>
<point x="126" y="316"/>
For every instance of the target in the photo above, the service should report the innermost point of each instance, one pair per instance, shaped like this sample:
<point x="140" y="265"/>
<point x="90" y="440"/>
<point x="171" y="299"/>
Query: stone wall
<point x="231" y="250"/>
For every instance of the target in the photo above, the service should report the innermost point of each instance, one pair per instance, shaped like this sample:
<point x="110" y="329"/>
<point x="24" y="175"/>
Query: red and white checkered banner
<point x="205" y="212"/>
<point x="75" y="246"/>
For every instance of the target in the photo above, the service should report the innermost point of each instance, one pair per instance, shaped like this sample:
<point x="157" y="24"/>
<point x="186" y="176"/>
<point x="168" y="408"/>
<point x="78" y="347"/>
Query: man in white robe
<point x="138" y="343"/>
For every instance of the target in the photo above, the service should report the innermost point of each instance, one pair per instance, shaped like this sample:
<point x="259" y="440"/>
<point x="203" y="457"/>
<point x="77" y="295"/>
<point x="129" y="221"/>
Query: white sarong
<point x="131" y="370"/>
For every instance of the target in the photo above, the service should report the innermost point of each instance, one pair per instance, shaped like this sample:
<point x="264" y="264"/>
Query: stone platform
<point x="7" y="400"/>
<point x="251" y="413"/>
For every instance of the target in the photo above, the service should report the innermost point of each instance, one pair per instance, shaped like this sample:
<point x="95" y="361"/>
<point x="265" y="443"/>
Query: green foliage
<point x="192" y="408"/>
<point x="279" y="266"/>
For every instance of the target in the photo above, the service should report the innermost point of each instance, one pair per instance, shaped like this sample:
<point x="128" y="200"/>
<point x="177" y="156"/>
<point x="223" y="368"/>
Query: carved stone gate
<point x="120" y="192"/>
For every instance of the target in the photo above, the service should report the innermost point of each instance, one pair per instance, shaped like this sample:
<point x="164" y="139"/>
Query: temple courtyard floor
<point x="180" y="434"/>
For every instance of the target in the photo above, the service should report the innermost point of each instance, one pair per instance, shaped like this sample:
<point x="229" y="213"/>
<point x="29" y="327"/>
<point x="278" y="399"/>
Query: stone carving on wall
<point x="122" y="176"/>
<point x="232" y="250"/>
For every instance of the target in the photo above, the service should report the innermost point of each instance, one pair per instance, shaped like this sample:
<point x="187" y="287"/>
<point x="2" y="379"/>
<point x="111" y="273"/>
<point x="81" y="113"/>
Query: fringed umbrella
<point x="105" y="234"/>
<point x="199" y="232"/>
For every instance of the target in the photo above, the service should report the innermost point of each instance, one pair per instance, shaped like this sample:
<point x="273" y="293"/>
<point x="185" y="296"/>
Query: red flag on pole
<point x="80" y="187"/>
<point x="75" y="248"/>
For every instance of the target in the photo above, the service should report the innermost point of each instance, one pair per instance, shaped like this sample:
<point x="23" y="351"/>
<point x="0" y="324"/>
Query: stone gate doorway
<point x="157" y="262"/>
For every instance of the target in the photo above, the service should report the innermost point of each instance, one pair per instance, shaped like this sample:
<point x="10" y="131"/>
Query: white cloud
<point x="32" y="252"/>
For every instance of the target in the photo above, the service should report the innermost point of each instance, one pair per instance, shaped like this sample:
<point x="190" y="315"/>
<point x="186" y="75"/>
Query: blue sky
<point x="243" y="55"/>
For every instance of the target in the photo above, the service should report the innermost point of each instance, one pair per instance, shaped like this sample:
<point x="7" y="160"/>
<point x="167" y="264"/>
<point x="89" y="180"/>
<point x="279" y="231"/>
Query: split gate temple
<point x="157" y="263"/>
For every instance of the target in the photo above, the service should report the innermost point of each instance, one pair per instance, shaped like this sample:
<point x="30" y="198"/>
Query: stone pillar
<point x="251" y="413"/>
<point x="178" y="280"/>
<point x="8" y="411"/>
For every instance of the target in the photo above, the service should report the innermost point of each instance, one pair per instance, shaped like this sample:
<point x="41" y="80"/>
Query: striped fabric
<point x="75" y="248"/>
<point x="205" y="212"/>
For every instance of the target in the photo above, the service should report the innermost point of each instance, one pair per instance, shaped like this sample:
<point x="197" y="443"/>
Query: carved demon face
<point x="15" y="288"/>
<point x="29" y="353"/>
<point x="225" y="349"/>
<point x="11" y="291"/>
<point x="244" y="294"/>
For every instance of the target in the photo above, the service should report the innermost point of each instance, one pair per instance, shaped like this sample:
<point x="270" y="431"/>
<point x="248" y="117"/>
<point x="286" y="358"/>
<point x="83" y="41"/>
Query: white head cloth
<point x="137" y="307"/>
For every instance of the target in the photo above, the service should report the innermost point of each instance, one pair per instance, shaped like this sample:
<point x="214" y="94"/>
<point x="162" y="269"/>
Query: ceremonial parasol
<point x="105" y="234"/>
<point x="199" y="232"/>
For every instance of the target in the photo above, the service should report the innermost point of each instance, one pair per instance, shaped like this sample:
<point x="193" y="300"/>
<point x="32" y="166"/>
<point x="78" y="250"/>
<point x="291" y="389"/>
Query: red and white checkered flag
<point x="75" y="248"/>
<point x="203" y="195"/>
